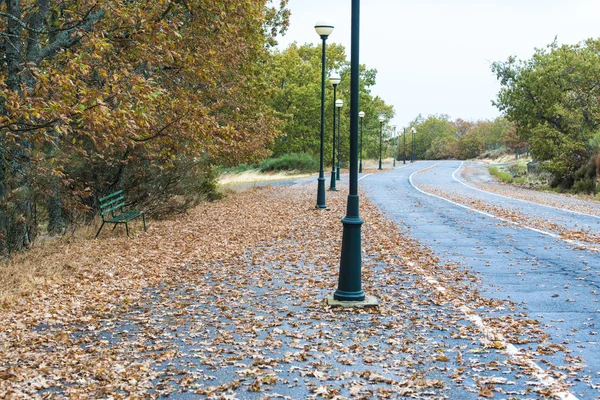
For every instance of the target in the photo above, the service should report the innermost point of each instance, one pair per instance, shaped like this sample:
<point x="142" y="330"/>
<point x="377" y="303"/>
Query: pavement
<point x="547" y="279"/>
<point x="470" y="306"/>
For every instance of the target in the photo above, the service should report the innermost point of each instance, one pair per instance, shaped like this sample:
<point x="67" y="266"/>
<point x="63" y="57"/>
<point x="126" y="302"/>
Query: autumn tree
<point x="144" y="96"/>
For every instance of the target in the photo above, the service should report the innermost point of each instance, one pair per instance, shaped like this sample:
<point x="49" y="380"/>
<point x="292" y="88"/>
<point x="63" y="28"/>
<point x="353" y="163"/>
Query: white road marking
<point x="513" y="198"/>
<point x="493" y="336"/>
<point x="553" y="235"/>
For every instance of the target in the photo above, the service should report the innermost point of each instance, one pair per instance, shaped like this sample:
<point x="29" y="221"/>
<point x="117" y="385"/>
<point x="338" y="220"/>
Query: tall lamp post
<point x="324" y="29"/>
<point x="395" y="143"/>
<point x="412" y="153"/>
<point x="361" y="115"/>
<point x="349" y="291"/>
<point x="335" y="80"/>
<point x="381" y="119"/>
<point x="339" y="103"/>
<point x="404" y="152"/>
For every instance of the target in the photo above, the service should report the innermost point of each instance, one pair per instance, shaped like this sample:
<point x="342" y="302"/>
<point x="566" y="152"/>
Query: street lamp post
<point x="349" y="290"/>
<point x="335" y="80"/>
<point x="361" y="115"/>
<point x="381" y="119"/>
<point x="395" y="149"/>
<point x="339" y="103"/>
<point x="404" y="152"/>
<point x="324" y="29"/>
<point x="412" y="153"/>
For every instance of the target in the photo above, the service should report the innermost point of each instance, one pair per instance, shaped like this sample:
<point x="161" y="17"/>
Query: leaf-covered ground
<point x="228" y="302"/>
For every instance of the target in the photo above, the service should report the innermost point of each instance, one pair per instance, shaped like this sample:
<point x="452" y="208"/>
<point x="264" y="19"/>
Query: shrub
<point x="584" y="186"/>
<point x="290" y="162"/>
<point x="518" y="170"/>
<point x="501" y="175"/>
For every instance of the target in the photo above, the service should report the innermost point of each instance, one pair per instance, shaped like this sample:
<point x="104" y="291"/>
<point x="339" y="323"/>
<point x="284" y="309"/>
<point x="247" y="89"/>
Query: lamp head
<point x="339" y="103"/>
<point x="335" y="78"/>
<point x="324" y="28"/>
<point x="381" y="118"/>
<point x="361" y="114"/>
<point x="413" y="130"/>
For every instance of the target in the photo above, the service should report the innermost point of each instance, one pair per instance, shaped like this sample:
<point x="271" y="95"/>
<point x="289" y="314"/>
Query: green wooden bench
<point x="111" y="210"/>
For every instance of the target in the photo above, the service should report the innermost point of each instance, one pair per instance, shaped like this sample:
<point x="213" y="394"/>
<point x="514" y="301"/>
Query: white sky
<point x="434" y="56"/>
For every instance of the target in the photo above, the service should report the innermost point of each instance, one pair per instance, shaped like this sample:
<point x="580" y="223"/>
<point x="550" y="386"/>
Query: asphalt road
<point x="549" y="279"/>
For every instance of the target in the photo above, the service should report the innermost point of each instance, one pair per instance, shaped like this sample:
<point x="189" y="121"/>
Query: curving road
<point x="546" y="260"/>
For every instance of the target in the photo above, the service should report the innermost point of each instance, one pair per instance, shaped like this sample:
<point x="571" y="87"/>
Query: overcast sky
<point x="434" y="56"/>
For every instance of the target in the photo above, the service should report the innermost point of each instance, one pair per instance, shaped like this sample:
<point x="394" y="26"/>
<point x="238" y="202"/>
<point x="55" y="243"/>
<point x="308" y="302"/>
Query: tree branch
<point x="161" y="130"/>
<point x="69" y="38"/>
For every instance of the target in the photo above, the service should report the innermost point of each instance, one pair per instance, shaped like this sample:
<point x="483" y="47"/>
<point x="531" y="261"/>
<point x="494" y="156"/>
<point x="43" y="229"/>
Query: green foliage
<point x="295" y="75"/>
<point x="290" y="162"/>
<point x="518" y="169"/>
<point x="553" y="99"/>
<point x="501" y="175"/>
<point x="437" y="137"/>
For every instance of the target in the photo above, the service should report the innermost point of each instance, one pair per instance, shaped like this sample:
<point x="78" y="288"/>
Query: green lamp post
<point x="412" y="153"/>
<point x="339" y="103"/>
<point x="395" y="142"/>
<point x="404" y="152"/>
<point x="361" y="115"/>
<point x="349" y="292"/>
<point x="324" y="29"/>
<point x="335" y="80"/>
<point x="381" y="119"/>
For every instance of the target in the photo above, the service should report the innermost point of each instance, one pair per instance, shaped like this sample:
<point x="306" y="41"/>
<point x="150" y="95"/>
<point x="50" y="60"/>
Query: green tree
<point x="296" y="78"/>
<point x="553" y="99"/>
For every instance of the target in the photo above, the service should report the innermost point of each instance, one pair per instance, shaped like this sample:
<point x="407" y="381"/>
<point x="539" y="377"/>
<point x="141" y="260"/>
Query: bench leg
<point x="97" y="233"/>
<point x="127" y="229"/>
<point x="144" y="220"/>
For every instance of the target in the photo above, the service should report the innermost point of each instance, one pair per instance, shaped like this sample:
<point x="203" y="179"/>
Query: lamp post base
<point x="321" y="194"/>
<point x="332" y="183"/>
<point x="349" y="283"/>
<point x="360" y="168"/>
<point x="368" y="302"/>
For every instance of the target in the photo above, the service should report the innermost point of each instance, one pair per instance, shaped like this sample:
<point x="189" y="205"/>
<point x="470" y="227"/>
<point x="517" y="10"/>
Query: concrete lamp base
<point x="368" y="302"/>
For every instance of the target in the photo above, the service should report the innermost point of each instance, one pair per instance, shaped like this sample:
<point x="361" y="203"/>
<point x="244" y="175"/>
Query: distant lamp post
<point x="339" y="104"/>
<point x="395" y="149"/>
<point x="361" y="115"/>
<point x="324" y="29"/>
<point x="381" y="119"/>
<point x="404" y="152"/>
<point x="335" y="80"/>
<point x="412" y="153"/>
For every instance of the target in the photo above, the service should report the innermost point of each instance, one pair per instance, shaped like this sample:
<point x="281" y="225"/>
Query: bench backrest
<point x="111" y="203"/>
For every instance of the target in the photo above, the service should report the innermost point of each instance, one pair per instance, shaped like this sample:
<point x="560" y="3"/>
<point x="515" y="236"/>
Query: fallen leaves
<point x="228" y="302"/>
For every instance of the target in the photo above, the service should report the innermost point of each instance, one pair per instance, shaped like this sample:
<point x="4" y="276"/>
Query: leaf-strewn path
<point x="228" y="302"/>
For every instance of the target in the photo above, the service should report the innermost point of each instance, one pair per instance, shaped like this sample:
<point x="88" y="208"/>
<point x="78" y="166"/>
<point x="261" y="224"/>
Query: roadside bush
<point x="518" y="170"/>
<point x="290" y="162"/>
<point x="584" y="179"/>
<point x="501" y="175"/>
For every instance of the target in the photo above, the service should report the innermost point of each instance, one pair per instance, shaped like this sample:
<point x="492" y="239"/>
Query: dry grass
<point x="50" y="260"/>
<point x="253" y="176"/>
